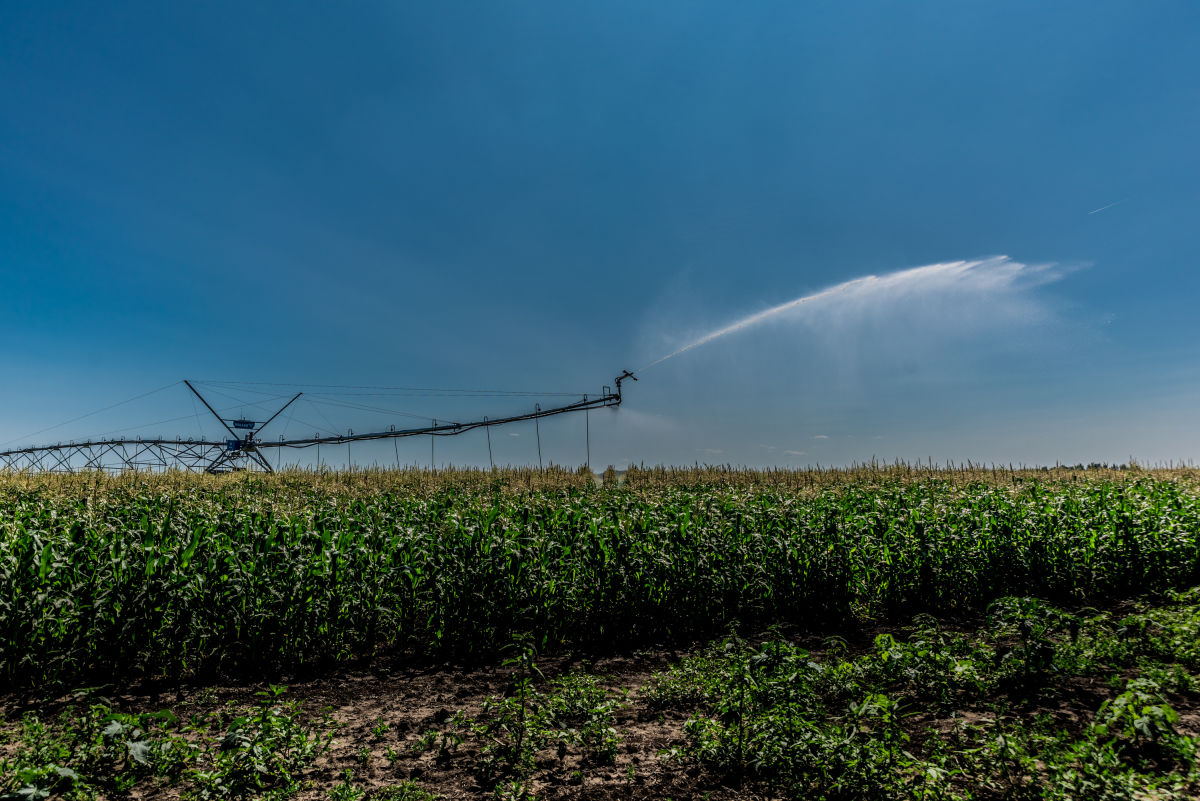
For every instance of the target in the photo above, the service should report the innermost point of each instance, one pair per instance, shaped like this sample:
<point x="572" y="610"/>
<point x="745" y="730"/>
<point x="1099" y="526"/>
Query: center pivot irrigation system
<point x="243" y="449"/>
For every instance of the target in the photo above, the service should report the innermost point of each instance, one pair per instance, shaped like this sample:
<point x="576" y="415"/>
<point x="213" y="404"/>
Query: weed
<point x="346" y="790"/>
<point x="262" y="751"/>
<point x="380" y="729"/>
<point x="404" y="791"/>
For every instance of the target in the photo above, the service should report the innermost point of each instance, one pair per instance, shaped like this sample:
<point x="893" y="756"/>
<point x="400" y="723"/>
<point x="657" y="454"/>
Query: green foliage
<point x="766" y="716"/>
<point x="404" y="791"/>
<point x="574" y="711"/>
<point x="261" y="752"/>
<point x="346" y="790"/>
<point x="837" y="723"/>
<point x="93" y="752"/>
<point x="775" y="715"/>
<point x="248" y="577"/>
<point x="579" y="712"/>
<point x="425" y="742"/>
<point x="1131" y="750"/>
<point x="836" y="727"/>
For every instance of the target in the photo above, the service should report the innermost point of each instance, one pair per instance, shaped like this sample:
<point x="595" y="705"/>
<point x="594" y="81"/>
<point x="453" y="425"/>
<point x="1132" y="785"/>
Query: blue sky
<point x="535" y="195"/>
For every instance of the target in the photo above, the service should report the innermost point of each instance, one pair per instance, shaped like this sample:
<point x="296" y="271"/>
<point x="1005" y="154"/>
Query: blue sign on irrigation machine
<point x="243" y="424"/>
<point x="233" y="444"/>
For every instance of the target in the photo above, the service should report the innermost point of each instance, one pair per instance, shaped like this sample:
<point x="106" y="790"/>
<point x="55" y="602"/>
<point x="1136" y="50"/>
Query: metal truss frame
<point x="242" y="452"/>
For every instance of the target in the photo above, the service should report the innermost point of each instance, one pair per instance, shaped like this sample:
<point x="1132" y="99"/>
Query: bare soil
<point x="403" y="702"/>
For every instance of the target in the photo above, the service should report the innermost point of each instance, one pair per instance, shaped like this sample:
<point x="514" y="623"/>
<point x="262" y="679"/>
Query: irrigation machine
<point x="244" y="447"/>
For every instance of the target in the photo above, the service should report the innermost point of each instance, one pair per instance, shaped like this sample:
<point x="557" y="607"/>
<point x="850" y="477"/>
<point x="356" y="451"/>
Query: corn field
<point x="106" y="579"/>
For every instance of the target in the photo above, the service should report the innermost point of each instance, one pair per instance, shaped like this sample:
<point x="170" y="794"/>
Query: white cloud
<point x="796" y="453"/>
<point x="821" y="436"/>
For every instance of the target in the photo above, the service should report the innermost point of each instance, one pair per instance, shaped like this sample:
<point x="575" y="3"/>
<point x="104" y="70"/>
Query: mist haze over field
<point x="536" y="196"/>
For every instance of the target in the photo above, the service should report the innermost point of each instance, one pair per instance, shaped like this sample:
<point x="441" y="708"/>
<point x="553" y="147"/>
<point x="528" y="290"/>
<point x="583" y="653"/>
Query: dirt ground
<point x="379" y="716"/>
<point x="410" y="701"/>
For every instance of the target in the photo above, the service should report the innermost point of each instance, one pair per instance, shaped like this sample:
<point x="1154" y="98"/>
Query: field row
<point x="204" y="579"/>
<point x="1034" y="703"/>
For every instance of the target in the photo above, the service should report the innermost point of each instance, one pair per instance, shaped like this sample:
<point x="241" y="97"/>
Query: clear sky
<point x="536" y="195"/>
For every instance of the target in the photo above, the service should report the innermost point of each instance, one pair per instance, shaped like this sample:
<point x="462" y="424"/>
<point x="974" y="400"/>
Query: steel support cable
<point x="317" y="409"/>
<point x="454" y="429"/>
<point x="315" y="427"/>
<point x="196" y="450"/>
<point x="357" y="389"/>
<point x="286" y="425"/>
<point x="144" y="425"/>
<point x="243" y="402"/>
<point x="240" y="402"/>
<point x="224" y="410"/>
<point x="447" y="394"/>
<point x="269" y="393"/>
<point x="343" y="404"/>
<point x="486" y="392"/>
<point x="408" y="393"/>
<point x="196" y="409"/>
<point x="288" y="422"/>
<point x="446" y="430"/>
<point x="321" y="398"/>
<point x="385" y="410"/>
<point x="364" y="407"/>
<point x="90" y="414"/>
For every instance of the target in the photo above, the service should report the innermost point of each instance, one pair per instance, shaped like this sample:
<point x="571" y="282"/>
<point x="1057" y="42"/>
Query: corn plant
<point x="197" y="577"/>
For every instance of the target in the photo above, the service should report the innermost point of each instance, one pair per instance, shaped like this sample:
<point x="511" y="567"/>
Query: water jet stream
<point x="980" y="275"/>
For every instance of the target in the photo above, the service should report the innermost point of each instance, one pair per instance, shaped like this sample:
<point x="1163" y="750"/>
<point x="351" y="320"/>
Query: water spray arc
<point x="978" y="275"/>
<point x="746" y="322"/>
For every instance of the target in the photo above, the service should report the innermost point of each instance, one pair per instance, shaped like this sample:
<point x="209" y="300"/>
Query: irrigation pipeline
<point x="242" y="451"/>
<point x="453" y="429"/>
